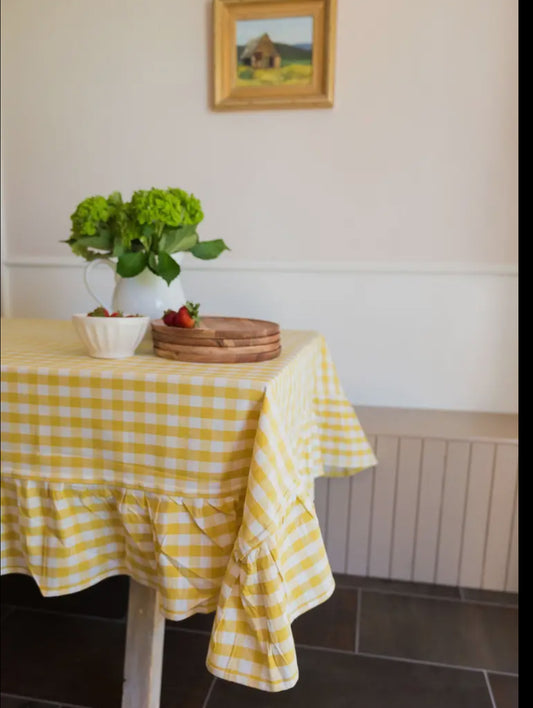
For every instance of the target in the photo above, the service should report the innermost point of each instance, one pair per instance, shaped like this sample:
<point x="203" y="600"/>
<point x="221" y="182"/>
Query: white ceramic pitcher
<point x="144" y="294"/>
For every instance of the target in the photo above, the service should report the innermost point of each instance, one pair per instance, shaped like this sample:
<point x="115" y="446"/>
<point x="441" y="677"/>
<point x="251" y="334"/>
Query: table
<point x="195" y="480"/>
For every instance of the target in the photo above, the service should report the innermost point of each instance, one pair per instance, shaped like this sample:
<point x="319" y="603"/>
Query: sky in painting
<point x="287" y="30"/>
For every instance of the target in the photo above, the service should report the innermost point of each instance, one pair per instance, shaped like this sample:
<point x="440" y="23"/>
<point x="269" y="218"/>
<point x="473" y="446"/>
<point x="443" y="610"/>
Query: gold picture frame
<point x="273" y="54"/>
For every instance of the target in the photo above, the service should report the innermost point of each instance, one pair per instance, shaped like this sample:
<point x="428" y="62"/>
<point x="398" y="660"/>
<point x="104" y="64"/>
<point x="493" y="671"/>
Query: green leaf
<point x="206" y="250"/>
<point x="102" y="240"/>
<point x="146" y="242"/>
<point x="118" y="248"/>
<point x="181" y="239"/>
<point x="152" y="263"/>
<point x="167" y="267"/>
<point x="148" y="230"/>
<point x="131" y="264"/>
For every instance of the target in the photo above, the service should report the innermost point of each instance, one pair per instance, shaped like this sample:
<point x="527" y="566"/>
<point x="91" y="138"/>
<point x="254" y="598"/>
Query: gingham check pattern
<point x="194" y="479"/>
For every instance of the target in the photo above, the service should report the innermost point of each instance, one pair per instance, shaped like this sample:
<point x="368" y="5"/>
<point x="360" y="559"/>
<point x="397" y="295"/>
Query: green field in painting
<point x="296" y="69"/>
<point x="293" y="74"/>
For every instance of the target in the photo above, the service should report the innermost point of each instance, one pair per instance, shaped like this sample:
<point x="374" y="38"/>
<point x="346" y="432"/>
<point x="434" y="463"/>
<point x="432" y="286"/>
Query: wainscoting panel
<point x="432" y="510"/>
<point x="502" y="505"/>
<point x="476" y="513"/>
<point x="382" y="509"/>
<point x="511" y="576"/>
<point x="428" y="514"/>
<point x="338" y="519"/>
<point x="407" y="481"/>
<point x="359" y="523"/>
<point x="452" y="512"/>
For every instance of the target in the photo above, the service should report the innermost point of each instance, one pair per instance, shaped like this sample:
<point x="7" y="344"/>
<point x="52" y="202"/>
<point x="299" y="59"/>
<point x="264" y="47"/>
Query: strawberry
<point x="183" y="318"/>
<point x="118" y="313"/>
<point x="187" y="316"/>
<point x="168" y="317"/>
<point x="99" y="312"/>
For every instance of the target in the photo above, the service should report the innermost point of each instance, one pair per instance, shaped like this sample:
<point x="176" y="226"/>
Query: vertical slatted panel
<point x="337" y="526"/>
<point x="321" y="504"/>
<point x="500" y="517"/>
<point x="429" y="510"/>
<point x="511" y="584"/>
<point x="360" y="514"/>
<point x="476" y="514"/>
<point x="432" y="511"/>
<point x="453" y="506"/>
<point x="403" y="539"/>
<point x="383" y="506"/>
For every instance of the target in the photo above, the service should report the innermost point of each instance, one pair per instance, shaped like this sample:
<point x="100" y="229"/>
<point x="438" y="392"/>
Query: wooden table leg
<point x="143" y="661"/>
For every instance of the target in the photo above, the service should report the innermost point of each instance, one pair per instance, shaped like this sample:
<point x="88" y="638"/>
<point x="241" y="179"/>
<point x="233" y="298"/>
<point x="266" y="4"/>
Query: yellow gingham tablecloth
<point x="193" y="479"/>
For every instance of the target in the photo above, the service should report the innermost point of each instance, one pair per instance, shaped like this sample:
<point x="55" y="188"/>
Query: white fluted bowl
<point x="110" y="337"/>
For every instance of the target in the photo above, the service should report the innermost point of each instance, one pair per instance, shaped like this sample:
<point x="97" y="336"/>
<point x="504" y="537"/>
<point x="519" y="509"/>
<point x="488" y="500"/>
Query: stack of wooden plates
<point x="218" y="340"/>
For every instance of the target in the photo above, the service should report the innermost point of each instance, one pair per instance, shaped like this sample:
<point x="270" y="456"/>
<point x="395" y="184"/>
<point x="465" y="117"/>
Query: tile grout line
<point x="338" y="584"/>
<point x="115" y="620"/>
<point x="63" y="613"/>
<point x="489" y="689"/>
<point x="459" y="600"/>
<point x="44" y="701"/>
<point x="358" y="619"/>
<point x="205" y="632"/>
<point x="209" y="692"/>
<point x="407" y="660"/>
<point x="425" y="662"/>
<point x="494" y="603"/>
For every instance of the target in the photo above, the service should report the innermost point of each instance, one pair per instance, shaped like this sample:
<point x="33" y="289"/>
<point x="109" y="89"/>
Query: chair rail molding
<point x="229" y="264"/>
<point x="415" y="334"/>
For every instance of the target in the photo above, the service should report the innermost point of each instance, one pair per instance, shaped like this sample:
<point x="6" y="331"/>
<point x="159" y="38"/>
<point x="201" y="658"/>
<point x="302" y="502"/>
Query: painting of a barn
<point x="261" y="53"/>
<point x="274" y="51"/>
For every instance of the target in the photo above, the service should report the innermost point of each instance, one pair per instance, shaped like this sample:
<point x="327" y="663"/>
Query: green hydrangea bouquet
<point x="141" y="233"/>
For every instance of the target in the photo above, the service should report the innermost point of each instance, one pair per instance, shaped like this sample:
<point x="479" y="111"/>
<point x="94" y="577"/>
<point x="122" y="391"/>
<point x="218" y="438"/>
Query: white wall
<point x="389" y="222"/>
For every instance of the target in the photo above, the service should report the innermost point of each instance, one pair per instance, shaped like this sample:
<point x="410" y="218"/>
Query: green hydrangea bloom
<point x="89" y="214"/>
<point x="192" y="207"/>
<point x="171" y="207"/>
<point x="156" y="206"/>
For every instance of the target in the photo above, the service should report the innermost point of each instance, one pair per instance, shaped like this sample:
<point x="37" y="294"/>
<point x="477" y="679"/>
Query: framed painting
<point x="273" y="54"/>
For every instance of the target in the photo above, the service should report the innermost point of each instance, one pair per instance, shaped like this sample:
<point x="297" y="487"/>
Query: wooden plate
<point x="218" y="355"/>
<point x="218" y="340"/>
<point x="204" y="351"/>
<point x="170" y="338"/>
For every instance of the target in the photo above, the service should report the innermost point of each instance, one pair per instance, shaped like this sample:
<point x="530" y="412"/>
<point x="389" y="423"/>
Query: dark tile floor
<point x="373" y="644"/>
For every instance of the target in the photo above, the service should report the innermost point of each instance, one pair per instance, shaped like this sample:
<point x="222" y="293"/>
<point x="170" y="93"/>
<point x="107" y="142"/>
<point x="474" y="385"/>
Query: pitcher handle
<point x="88" y="270"/>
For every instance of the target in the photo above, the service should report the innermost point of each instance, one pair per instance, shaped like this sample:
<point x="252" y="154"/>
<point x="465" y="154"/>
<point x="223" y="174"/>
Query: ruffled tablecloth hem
<point x="94" y="580"/>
